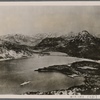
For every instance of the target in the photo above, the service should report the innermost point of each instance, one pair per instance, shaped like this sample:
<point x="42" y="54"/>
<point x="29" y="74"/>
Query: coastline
<point x="75" y="69"/>
<point x="90" y="84"/>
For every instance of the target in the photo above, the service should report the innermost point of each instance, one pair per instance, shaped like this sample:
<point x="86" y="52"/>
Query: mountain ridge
<point x="82" y="45"/>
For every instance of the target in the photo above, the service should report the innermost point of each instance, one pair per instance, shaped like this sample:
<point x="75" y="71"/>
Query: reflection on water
<point x="15" y="72"/>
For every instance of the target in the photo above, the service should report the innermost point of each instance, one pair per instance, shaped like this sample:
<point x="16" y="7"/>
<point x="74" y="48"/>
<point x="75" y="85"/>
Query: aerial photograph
<point x="49" y="50"/>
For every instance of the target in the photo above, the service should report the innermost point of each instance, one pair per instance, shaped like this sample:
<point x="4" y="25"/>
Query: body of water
<point x="14" y="72"/>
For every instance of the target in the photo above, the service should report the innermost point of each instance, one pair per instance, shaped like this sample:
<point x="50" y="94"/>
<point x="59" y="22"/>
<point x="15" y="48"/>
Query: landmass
<point x="88" y="69"/>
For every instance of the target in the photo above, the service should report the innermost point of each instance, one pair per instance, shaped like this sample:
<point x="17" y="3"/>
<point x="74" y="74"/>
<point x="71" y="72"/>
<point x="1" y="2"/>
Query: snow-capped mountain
<point x="17" y="45"/>
<point x="81" y="45"/>
<point x="14" y="46"/>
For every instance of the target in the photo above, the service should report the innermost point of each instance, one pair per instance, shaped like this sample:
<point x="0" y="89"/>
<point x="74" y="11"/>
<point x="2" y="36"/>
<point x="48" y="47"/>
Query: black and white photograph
<point x="49" y="49"/>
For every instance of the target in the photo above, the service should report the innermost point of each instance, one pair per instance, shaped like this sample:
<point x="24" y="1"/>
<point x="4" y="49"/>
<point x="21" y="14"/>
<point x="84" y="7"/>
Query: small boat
<point x="73" y="75"/>
<point x="24" y="83"/>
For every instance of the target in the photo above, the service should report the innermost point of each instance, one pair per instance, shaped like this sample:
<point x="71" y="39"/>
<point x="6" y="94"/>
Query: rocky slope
<point x="16" y="46"/>
<point x="82" y="45"/>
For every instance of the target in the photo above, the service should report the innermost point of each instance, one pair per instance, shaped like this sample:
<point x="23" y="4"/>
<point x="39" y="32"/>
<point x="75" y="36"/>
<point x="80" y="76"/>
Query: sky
<point x="31" y="20"/>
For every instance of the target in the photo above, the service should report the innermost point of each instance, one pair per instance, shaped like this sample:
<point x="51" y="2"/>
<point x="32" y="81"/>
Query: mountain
<point x="16" y="46"/>
<point x="21" y="39"/>
<point x="82" y="45"/>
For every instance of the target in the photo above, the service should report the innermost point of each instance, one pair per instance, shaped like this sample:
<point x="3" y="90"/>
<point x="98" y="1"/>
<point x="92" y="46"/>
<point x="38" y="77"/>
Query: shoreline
<point x="7" y="59"/>
<point x="91" y="78"/>
<point x="89" y="69"/>
<point x="50" y="54"/>
<point x="74" y="90"/>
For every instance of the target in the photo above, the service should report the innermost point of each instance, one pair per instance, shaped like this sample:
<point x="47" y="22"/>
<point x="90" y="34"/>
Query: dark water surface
<point x="15" y="72"/>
